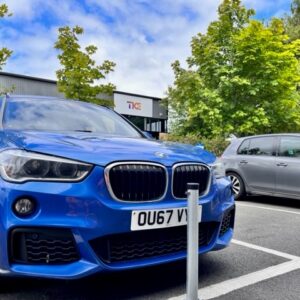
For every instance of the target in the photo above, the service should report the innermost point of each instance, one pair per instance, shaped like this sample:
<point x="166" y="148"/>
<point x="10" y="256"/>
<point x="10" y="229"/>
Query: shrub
<point x="216" y="144"/>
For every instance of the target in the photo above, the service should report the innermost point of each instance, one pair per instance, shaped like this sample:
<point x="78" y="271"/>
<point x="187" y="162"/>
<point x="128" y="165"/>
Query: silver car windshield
<point x="64" y="115"/>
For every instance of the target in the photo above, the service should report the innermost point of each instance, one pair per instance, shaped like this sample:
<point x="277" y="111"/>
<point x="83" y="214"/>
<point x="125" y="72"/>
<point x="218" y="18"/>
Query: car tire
<point x="238" y="186"/>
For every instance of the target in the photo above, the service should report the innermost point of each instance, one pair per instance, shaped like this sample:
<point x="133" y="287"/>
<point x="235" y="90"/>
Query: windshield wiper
<point x="83" y="130"/>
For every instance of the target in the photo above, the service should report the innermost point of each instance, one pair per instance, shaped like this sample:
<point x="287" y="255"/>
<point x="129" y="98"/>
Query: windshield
<point x="64" y="115"/>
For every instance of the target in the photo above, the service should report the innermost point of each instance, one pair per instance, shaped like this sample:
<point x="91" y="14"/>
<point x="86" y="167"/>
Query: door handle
<point x="282" y="165"/>
<point x="243" y="162"/>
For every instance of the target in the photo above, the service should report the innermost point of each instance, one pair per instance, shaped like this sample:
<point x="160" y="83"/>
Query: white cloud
<point x="24" y="9"/>
<point x="143" y="37"/>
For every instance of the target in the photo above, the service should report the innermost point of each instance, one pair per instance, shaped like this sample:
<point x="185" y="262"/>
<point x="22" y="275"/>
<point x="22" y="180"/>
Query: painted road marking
<point x="269" y="208"/>
<point x="267" y="250"/>
<point x="228" y="286"/>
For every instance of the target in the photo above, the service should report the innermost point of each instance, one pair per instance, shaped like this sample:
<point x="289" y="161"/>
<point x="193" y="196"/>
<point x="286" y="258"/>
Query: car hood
<point x="102" y="150"/>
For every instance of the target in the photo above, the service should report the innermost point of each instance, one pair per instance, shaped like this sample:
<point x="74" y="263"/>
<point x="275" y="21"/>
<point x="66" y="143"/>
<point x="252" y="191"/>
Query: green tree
<point x="78" y="79"/>
<point x="241" y="78"/>
<point x="4" y="52"/>
<point x="292" y="21"/>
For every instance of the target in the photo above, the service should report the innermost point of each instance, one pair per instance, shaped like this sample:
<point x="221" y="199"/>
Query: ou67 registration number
<point x="151" y="219"/>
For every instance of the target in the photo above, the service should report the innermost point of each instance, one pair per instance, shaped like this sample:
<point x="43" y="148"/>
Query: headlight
<point x="218" y="170"/>
<point x="21" y="166"/>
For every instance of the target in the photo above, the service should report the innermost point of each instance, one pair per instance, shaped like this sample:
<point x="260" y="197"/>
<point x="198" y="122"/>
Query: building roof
<point x="54" y="82"/>
<point x="27" y="77"/>
<point x="136" y="95"/>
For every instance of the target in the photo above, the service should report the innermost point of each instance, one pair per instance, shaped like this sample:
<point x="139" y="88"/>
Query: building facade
<point x="145" y="112"/>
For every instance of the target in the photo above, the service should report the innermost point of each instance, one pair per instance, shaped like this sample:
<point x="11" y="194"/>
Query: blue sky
<point x="143" y="37"/>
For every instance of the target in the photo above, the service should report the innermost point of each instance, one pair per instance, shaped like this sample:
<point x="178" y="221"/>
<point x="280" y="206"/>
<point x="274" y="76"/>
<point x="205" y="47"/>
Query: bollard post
<point x="192" y="241"/>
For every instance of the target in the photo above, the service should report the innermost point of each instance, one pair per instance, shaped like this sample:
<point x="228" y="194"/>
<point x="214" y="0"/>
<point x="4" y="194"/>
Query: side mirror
<point x="200" y="145"/>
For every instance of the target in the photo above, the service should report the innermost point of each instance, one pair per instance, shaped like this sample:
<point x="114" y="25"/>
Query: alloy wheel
<point x="236" y="185"/>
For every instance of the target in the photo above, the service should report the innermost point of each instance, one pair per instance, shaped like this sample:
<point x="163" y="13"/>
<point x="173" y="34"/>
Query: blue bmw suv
<point x="84" y="191"/>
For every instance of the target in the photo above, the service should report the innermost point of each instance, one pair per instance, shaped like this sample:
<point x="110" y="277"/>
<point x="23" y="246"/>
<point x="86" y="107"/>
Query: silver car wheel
<point x="236" y="185"/>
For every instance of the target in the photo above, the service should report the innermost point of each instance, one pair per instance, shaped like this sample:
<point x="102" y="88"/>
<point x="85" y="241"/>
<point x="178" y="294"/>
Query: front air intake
<point x="149" y="244"/>
<point x="42" y="246"/>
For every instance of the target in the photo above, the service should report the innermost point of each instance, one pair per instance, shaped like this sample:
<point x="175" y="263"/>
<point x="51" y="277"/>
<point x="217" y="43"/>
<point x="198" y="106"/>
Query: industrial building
<point x="146" y="112"/>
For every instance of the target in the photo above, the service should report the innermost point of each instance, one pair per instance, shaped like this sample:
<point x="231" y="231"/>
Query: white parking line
<point x="228" y="286"/>
<point x="269" y="208"/>
<point x="267" y="250"/>
<point x="225" y="287"/>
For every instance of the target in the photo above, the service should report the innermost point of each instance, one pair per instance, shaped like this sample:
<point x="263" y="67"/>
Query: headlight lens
<point x="218" y="170"/>
<point x="21" y="166"/>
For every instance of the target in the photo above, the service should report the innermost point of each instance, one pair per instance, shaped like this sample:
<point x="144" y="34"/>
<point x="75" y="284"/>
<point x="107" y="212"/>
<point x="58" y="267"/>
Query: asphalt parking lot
<point x="263" y="262"/>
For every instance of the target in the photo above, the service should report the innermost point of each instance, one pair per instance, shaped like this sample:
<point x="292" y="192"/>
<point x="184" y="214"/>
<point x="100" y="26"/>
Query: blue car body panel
<point x="101" y="150"/>
<point x="87" y="208"/>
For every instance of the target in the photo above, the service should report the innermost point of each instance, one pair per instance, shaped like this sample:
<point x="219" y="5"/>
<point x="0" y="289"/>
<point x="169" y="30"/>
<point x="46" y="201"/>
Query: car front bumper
<point x="86" y="210"/>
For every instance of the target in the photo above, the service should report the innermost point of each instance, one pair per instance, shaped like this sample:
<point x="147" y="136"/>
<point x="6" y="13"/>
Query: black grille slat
<point x="149" y="243"/>
<point x="149" y="183"/>
<point x="189" y="173"/>
<point x="161" y="180"/>
<point x="183" y="182"/>
<point x="137" y="181"/>
<point x="142" y="186"/>
<point x="43" y="246"/>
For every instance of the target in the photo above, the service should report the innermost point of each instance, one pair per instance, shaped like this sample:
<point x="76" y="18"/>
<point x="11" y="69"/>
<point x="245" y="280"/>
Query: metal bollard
<point x="192" y="241"/>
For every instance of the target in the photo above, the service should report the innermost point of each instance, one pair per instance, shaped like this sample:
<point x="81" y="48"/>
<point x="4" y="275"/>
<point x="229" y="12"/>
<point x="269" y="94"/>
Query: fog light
<point x="24" y="207"/>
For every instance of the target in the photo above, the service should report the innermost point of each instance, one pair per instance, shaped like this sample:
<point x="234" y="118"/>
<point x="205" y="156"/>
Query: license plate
<point x="160" y="218"/>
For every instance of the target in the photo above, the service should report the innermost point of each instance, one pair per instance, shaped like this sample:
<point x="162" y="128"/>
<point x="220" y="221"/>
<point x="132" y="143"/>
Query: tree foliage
<point x="78" y="79"/>
<point x="241" y="78"/>
<point x="292" y="21"/>
<point x="4" y="52"/>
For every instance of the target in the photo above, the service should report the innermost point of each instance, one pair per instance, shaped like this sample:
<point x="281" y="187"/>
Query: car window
<point x="257" y="146"/>
<point x="244" y="148"/>
<point x="261" y="146"/>
<point x="1" y="104"/>
<point x="64" y="115"/>
<point x="289" y="146"/>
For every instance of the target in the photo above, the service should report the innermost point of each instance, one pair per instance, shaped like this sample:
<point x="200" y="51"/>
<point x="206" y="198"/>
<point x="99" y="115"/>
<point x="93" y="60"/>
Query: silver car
<point x="264" y="165"/>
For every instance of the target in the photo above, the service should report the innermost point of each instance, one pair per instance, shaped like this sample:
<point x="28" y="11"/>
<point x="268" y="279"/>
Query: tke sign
<point x="134" y="105"/>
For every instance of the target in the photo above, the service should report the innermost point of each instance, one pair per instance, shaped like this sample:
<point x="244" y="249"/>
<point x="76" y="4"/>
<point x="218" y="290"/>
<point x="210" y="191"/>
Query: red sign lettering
<point x="134" y="105"/>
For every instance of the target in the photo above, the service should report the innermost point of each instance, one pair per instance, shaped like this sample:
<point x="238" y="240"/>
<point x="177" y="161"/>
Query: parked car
<point x="82" y="191"/>
<point x="264" y="165"/>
